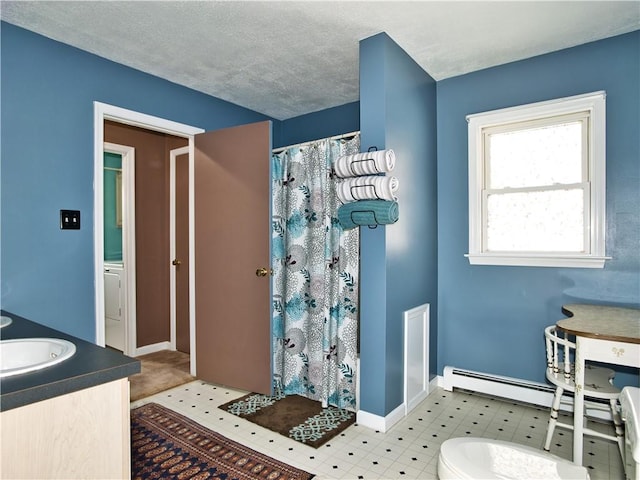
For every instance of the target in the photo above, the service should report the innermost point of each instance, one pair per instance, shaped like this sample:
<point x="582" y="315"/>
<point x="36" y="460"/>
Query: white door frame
<point x="173" y="154"/>
<point x="128" y="240"/>
<point x="102" y="112"/>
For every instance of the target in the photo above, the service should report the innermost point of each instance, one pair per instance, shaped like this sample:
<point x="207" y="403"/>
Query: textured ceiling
<point x="285" y="59"/>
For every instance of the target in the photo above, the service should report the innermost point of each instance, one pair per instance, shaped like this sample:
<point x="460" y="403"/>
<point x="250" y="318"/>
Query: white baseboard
<point x="154" y="347"/>
<point x="435" y="382"/>
<point x="383" y="424"/>
<point x="376" y="422"/>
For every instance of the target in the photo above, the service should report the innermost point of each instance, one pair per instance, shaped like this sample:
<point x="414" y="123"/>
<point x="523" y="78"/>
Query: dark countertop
<point x="91" y="365"/>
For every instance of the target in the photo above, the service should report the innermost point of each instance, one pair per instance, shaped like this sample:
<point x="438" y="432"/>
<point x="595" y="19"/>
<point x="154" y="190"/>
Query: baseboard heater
<point x="510" y="388"/>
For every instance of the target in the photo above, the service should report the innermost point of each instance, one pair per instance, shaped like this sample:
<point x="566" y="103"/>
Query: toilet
<point x="480" y="458"/>
<point x="630" y="412"/>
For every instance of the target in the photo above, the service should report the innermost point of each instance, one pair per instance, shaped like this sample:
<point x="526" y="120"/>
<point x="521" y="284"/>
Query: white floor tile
<point x="408" y="451"/>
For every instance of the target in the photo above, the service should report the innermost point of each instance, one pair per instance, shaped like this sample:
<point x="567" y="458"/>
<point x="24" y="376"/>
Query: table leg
<point x="578" y="405"/>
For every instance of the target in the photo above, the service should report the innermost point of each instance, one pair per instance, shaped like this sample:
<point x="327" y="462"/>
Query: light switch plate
<point x="70" y="219"/>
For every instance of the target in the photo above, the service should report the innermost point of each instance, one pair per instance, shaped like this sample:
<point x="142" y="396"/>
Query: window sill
<point x="563" y="261"/>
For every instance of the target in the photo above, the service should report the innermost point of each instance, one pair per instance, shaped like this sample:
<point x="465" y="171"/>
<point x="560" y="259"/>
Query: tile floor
<point x="408" y="451"/>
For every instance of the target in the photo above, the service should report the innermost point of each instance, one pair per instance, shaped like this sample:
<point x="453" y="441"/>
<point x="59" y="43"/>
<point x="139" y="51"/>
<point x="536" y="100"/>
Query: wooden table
<point x="603" y="334"/>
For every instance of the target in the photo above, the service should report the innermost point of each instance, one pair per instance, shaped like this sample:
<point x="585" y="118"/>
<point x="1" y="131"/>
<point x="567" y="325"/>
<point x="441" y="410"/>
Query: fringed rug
<point x="165" y="444"/>
<point x="293" y="416"/>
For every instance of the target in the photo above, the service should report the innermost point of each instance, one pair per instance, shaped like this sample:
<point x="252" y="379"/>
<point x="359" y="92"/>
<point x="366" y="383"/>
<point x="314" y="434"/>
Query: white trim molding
<point x="153" y="348"/>
<point x="128" y="155"/>
<point x="376" y="422"/>
<point x="531" y="260"/>
<point x="173" y="155"/>
<point x="384" y="424"/>
<point x="102" y="112"/>
<point x="592" y="107"/>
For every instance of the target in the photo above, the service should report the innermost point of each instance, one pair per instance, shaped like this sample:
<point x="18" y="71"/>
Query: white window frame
<point x="594" y="256"/>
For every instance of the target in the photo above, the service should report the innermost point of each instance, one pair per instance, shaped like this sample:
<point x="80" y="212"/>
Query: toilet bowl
<point x="480" y="458"/>
<point x="630" y="412"/>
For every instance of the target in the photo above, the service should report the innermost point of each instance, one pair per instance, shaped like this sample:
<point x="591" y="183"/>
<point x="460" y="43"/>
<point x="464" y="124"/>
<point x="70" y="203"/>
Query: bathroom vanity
<point x="70" y="420"/>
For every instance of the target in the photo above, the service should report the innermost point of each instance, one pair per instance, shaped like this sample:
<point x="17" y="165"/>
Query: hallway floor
<point x="160" y="371"/>
<point x="408" y="451"/>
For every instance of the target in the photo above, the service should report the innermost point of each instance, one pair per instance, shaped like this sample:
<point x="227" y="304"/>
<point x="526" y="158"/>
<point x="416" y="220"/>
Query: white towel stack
<point x="370" y="187"/>
<point x="368" y="163"/>
<point x="364" y="176"/>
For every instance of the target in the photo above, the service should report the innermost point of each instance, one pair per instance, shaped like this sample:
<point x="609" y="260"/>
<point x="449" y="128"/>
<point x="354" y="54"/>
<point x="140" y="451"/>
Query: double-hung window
<point x="537" y="184"/>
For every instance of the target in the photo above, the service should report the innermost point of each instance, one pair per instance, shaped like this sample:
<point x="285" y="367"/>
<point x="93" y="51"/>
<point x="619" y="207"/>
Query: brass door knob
<point x="176" y="262"/>
<point x="262" y="272"/>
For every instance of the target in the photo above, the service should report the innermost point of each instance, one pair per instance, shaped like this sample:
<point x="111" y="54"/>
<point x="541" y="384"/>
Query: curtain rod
<point x="337" y="137"/>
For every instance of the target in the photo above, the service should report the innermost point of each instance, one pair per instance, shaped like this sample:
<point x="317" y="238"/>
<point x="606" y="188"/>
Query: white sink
<point x="5" y="321"/>
<point x="25" y="355"/>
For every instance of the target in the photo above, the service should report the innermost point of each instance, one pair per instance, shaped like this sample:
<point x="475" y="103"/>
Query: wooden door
<point x="181" y="261"/>
<point x="232" y="241"/>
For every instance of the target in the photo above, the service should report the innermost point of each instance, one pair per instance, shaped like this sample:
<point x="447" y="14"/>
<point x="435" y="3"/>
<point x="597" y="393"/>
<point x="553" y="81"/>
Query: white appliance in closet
<point x="114" y="305"/>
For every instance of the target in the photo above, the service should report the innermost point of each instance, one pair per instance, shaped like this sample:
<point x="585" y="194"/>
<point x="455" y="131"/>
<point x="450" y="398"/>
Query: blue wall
<point x="484" y="318"/>
<point x="317" y="125"/>
<point x="398" y="262"/>
<point x="491" y="318"/>
<point x="48" y="90"/>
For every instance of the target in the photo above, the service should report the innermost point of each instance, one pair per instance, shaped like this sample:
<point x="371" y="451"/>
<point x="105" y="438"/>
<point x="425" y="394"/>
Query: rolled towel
<point x="367" y="212"/>
<point x="368" y="163"/>
<point x="370" y="187"/>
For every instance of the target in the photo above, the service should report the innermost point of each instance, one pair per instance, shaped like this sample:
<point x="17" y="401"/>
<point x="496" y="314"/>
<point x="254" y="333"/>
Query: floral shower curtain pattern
<point x="315" y="277"/>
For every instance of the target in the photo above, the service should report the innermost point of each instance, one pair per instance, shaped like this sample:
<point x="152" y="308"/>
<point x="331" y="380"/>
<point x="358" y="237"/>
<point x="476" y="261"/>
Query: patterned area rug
<point x="293" y="416"/>
<point x="165" y="444"/>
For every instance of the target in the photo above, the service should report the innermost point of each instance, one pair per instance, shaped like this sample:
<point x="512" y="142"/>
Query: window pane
<point x="538" y="156"/>
<point x="547" y="221"/>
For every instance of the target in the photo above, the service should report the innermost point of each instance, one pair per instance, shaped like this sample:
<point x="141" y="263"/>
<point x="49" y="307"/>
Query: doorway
<point x="102" y="113"/>
<point x="119" y="246"/>
<point x="179" y="248"/>
<point x="231" y="196"/>
<point x="154" y="265"/>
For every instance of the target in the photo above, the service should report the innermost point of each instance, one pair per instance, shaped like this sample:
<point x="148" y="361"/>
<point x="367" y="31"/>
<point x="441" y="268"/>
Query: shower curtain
<point x="315" y="277"/>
